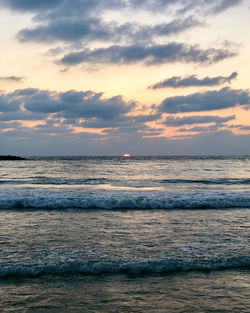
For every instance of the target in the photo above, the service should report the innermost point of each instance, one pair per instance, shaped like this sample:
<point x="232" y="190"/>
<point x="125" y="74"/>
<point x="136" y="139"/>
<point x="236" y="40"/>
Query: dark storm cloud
<point x="207" y="101"/>
<point x="197" y="119"/>
<point x="189" y="81"/>
<point x="156" y="54"/>
<point x="17" y="79"/>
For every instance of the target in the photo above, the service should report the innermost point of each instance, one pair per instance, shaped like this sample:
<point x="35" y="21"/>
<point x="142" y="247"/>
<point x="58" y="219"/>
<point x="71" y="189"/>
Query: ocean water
<point x="114" y="234"/>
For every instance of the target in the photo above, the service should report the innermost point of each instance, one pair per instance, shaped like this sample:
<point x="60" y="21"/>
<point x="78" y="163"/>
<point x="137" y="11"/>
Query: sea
<point x="125" y="234"/>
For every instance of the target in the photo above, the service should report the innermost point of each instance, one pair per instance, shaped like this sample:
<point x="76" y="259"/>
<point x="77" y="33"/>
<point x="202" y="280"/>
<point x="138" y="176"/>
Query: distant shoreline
<point x="10" y="158"/>
<point x="17" y="158"/>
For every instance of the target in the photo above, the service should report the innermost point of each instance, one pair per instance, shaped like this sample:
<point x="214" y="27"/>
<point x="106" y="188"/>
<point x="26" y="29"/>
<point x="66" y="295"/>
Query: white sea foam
<point x="34" y="198"/>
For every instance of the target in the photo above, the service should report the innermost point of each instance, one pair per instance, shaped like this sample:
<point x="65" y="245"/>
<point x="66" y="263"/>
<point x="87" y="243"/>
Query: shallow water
<point x="125" y="235"/>
<point x="226" y="291"/>
<point x="93" y="242"/>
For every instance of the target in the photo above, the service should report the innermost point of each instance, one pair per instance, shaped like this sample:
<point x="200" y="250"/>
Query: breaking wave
<point x="131" y="268"/>
<point x="82" y="199"/>
<point x="40" y="180"/>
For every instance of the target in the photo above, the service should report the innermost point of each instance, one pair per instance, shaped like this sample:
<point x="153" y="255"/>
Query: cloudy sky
<point x="107" y="77"/>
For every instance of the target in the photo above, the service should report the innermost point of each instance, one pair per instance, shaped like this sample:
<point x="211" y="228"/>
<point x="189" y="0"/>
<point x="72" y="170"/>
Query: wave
<point x="212" y="181"/>
<point x="82" y="199"/>
<point x="131" y="268"/>
<point x="43" y="180"/>
<point x="56" y="181"/>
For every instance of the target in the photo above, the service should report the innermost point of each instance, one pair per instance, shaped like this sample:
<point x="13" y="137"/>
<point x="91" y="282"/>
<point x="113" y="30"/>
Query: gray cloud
<point x="51" y="127"/>
<point x="244" y="127"/>
<point x="84" y="22"/>
<point x="189" y="81"/>
<point x="17" y="79"/>
<point x="179" y="7"/>
<point x="122" y="124"/>
<point x="9" y="125"/>
<point x="8" y="104"/>
<point x="21" y="116"/>
<point x="93" y="105"/>
<point x="62" y="7"/>
<point x="201" y="129"/>
<point x="72" y="104"/>
<point x="63" y="110"/>
<point x="156" y="54"/>
<point x="197" y="119"/>
<point x="24" y="92"/>
<point x="44" y="102"/>
<point x="223" y="5"/>
<point x="208" y="143"/>
<point x="91" y="29"/>
<point x="147" y="33"/>
<point x="133" y="129"/>
<point x="67" y="30"/>
<point x="207" y="101"/>
<point x="31" y="5"/>
<point x="87" y="109"/>
<point x="125" y="122"/>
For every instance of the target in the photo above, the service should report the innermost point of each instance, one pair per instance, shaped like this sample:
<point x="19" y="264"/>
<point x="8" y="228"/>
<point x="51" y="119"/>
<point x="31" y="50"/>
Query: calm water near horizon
<point x="114" y="234"/>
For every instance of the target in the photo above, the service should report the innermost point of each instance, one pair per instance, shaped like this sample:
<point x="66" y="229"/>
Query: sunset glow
<point x="145" y="75"/>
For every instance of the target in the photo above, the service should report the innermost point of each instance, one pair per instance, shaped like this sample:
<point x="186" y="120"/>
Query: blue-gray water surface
<point x="114" y="234"/>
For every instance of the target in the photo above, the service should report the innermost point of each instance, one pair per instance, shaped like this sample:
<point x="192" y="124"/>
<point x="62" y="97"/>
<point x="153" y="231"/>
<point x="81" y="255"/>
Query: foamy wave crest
<point x="132" y="268"/>
<point x="81" y="199"/>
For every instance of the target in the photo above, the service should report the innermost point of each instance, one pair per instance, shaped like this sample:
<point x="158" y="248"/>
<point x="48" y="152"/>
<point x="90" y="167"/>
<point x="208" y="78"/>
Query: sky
<point x="107" y="77"/>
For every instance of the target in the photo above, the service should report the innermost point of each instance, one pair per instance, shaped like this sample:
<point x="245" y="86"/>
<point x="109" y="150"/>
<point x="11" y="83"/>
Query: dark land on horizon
<point x="10" y="158"/>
